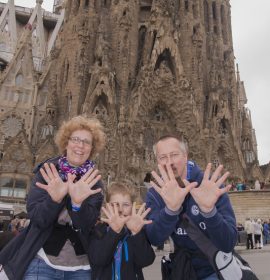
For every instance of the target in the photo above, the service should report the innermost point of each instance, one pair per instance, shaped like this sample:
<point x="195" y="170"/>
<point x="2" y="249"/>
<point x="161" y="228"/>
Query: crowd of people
<point x="258" y="233"/>
<point x="244" y="186"/>
<point x="15" y="226"/>
<point x="79" y="230"/>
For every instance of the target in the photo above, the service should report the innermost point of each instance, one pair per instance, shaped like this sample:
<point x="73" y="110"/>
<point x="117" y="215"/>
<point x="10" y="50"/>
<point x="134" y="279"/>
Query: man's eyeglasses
<point x="77" y="140"/>
<point x="172" y="156"/>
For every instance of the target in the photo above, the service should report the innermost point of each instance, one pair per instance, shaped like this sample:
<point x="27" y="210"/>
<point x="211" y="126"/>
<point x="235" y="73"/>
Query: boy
<point x="118" y="248"/>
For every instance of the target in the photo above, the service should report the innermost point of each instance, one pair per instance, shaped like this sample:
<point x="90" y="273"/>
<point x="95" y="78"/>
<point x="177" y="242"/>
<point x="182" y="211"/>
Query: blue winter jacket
<point x="219" y="225"/>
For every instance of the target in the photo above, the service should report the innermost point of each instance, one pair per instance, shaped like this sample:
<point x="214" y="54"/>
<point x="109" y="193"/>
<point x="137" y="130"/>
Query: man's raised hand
<point x="168" y="188"/>
<point x="209" y="191"/>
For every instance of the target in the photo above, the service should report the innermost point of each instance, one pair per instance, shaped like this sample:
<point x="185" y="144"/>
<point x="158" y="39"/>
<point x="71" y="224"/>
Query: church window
<point x="206" y="16"/>
<point x="100" y="109"/>
<point x="34" y="33"/>
<point x="223" y="23"/>
<point x="195" y="11"/>
<point x="165" y="58"/>
<point x="142" y="33"/>
<point x="215" y="163"/>
<point x="21" y="95"/>
<point x="214" y="10"/>
<point x="249" y="156"/>
<point x="3" y="64"/>
<point x="246" y="144"/>
<point x="159" y="114"/>
<point x="153" y="42"/>
<point x="6" y="27"/>
<point x="106" y="3"/>
<point x="223" y="126"/>
<point x="145" y="12"/>
<point x="86" y="3"/>
<point x="214" y="110"/>
<point x="77" y="5"/>
<point x="13" y="187"/>
<point x="19" y="80"/>
<point x="222" y="14"/>
<point x="20" y="188"/>
<point x="6" y="186"/>
<point x="26" y="97"/>
<point x="66" y="71"/>
<point x="11" y="126"/>
<point x="186" y="5"/>
<point x="69" y="102"/>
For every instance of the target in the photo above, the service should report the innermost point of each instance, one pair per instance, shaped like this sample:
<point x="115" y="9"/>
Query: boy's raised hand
<point x="137" y="219"/>
<point x="114" y="220"/>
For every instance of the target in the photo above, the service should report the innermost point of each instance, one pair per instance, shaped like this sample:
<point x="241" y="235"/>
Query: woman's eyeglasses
<point x="77" y="140"/>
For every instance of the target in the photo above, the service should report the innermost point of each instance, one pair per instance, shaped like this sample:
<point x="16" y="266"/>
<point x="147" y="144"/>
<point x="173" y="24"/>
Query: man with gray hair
<point x="182" y="188"/>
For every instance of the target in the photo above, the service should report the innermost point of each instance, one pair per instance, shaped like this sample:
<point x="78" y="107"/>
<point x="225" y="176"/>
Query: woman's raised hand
<point x="82" y="189"/>
<point x="56" y="188"/>
<point x="137" y="219"/>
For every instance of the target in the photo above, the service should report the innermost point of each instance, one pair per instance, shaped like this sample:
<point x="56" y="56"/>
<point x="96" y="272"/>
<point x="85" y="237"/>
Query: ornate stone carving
<point x="174" y="77"/>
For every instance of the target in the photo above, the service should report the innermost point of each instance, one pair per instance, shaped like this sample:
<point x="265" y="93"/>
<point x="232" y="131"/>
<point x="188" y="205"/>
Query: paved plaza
<point x="258" y="260"/>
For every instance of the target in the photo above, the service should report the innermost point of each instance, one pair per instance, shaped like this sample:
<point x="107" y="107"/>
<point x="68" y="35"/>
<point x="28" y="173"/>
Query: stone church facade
<point x="145" y="68"/>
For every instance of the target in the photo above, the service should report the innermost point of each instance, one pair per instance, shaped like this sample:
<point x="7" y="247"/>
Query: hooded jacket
<point x="219" y="225"/>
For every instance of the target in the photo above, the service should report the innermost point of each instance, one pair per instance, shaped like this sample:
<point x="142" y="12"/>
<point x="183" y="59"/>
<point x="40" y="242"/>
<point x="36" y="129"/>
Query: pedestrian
<point x="257" y="185"/>
<point x="258" y="234"/>
<point x="249" y="228"/>
<point x="182" y="188"/>
<point x="63" y="205"/>
<point x="118" y="248"/>
<point x="266" y="232"/>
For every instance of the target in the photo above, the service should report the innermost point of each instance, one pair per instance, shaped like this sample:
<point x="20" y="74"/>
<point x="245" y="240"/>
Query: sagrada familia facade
<point x="145" y="68"/>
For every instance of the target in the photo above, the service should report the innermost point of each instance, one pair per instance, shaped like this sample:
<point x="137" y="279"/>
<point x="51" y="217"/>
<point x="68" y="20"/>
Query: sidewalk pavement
<point x="258" y="259"/>
<point x="241" y="249"/>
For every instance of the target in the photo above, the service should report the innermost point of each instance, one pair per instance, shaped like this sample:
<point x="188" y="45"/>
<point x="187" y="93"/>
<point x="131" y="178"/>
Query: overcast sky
<point x="251" y="30"/>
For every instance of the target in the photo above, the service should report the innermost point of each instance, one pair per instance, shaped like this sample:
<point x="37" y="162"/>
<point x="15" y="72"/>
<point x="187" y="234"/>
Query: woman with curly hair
<point x="63" y="205"/>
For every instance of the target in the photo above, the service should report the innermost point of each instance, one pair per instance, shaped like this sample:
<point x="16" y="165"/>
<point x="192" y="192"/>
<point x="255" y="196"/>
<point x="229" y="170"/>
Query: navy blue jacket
<point x="43" y="213"/>
<point x="219" y="226"/>
<point x="102" y="246"/>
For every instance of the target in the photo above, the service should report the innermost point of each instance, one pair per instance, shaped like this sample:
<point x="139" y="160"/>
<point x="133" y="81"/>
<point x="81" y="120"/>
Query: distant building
<point x="144" y="68"/>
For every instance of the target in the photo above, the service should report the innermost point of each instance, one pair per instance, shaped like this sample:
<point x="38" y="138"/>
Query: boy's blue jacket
<point x="219" y="225"/>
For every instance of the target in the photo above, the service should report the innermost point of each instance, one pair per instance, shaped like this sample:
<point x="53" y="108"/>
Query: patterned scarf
<point x="79" y="171"/>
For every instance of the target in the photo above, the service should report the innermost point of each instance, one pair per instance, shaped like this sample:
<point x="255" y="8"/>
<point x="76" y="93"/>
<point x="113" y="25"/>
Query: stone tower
<point x="146" y="68"/>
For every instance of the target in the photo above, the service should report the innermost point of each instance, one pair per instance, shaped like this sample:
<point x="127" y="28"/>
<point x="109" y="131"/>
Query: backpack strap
<point x="201" y="240"/>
